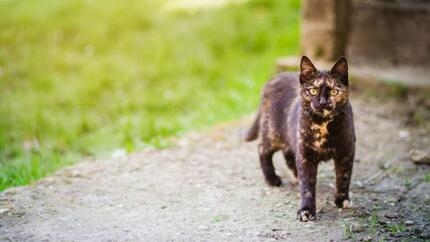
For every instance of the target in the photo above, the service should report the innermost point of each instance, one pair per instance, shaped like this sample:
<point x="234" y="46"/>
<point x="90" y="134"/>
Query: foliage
<point x="82" y="77"/>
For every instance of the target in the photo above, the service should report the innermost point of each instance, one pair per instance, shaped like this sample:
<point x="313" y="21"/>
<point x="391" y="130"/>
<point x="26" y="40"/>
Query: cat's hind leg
<point x="266" y="151"/>
<point x="343" y="166"/>
<point x="290" y="160"/>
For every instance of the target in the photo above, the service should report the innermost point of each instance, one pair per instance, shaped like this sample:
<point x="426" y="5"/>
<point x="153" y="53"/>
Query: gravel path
<point x="209" y="186"/>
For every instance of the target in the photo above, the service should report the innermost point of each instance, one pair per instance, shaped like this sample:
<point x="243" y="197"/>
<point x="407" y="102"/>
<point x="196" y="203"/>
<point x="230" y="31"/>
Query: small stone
<point x="4" y="211"/>
<point x="385" y="166"/>
<point x="203" y="228"/>
<point x="404" y="134"/>
<point x="359" y="184"/>
<point x="409" y="222"/>
<point x="367" y="238"/>
<point x="357" y="228"/>
<point x="419" y="156"/>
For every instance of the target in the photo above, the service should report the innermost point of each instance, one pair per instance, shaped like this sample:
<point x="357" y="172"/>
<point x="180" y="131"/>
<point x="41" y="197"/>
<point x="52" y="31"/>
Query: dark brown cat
<point x="309" y="118"/>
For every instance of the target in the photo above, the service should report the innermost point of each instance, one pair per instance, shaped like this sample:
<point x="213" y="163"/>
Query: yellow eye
<point x="313" y="91"/>
<point x="334" y="92"/>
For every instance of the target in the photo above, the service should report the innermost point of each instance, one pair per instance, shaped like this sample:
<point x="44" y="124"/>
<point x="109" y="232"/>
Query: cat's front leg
<point x="343" y="166"/>
<point x="307" y="168"/>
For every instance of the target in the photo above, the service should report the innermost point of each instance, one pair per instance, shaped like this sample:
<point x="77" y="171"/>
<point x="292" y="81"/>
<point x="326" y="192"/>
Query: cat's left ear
<point x="341" y="69"/>
<point x="307" y="69"/>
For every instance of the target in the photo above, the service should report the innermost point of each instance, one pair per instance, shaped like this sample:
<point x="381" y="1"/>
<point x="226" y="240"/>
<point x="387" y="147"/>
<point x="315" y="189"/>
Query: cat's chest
<point x="319" y="138"/>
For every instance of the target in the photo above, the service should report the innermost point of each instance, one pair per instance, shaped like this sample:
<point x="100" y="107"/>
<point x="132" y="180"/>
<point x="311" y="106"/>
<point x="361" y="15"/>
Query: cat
<point x="308" y="117"/>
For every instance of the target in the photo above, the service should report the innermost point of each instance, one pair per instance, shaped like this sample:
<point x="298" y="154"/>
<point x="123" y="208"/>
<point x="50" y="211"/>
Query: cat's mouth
<point x="323" y="111"/>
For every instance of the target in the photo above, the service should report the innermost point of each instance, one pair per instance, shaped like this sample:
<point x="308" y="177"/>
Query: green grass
<point x="427" y="177"/>
<point x="396" y="228"/>
<point x="83" y="78"/>
<point x="347" y="231"/>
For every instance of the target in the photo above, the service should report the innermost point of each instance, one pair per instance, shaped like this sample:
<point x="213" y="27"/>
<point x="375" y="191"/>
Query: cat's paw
<point x="274" y="181"/>
<point x="305" y="215"/>
<point x="346" y="204"/>
<point x="343" y="203"/>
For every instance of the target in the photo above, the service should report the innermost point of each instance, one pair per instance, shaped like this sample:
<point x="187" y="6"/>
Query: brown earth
<point x="208" y="186"/>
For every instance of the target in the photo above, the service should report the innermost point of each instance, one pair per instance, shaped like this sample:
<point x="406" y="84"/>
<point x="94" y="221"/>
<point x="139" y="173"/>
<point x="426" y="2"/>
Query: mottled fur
<point x="308" y="128"/>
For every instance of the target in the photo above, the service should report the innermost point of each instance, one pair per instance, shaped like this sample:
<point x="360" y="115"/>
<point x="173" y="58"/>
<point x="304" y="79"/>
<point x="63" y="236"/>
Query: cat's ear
<point x="307" y="69"/>
<point x="341" y="69"/>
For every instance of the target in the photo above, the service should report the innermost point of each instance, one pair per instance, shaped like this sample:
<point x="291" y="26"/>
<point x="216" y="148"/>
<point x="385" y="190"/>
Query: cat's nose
<point x="322" y="101"/>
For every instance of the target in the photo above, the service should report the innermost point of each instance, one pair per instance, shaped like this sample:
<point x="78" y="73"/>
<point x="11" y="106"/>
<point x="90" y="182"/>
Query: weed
<point x="373" y="223"/>
<point x="427" y="177"/>
<point x="396" y="228"/>
<point x="347" y="230"/>
<point x="408" y="183"/>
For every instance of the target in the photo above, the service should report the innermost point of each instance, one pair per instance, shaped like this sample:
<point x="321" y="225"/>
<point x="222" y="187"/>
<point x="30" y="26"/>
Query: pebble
<point x="419" y="156"/>
<point x="409" y="222"/>
<point x="366" y="239"/>
<point x="357" y="228"/>
<point x="359" y="184"/>
<point x="4" y="211"/>
<point x="203" y="228"/>
<point x="404" y="134"/>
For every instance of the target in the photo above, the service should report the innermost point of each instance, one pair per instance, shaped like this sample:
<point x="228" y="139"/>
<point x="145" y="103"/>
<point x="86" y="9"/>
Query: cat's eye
<point x="334" y="92"/>
<point x="313" y="91"/>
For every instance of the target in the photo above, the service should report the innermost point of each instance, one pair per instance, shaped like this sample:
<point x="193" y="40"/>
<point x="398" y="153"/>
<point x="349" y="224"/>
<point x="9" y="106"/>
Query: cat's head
<point x="324" y="91"/>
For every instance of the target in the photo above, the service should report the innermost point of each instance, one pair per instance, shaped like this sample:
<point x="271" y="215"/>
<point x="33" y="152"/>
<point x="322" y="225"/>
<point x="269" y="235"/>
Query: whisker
<point x="343" y="111"/>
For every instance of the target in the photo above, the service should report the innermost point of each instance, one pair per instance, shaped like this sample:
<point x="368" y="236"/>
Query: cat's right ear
<point x="307" y="69"/>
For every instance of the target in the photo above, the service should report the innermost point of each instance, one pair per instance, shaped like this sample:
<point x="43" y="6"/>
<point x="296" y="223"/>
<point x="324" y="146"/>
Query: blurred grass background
<point x="83" y="78"/>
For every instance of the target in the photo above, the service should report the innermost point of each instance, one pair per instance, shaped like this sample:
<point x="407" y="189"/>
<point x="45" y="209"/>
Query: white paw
<point x="346" y="204"/>
<point x="305" y="216"/>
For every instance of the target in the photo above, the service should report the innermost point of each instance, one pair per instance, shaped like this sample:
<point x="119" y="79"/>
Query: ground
<point x="208" y="186"/>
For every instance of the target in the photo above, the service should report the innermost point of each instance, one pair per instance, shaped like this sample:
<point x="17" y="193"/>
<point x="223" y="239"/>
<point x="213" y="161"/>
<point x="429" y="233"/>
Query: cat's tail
<point x="253" y="131"/>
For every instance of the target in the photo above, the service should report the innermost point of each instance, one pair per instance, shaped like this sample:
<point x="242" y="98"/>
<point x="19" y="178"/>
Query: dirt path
<point x="209" y="187"/>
